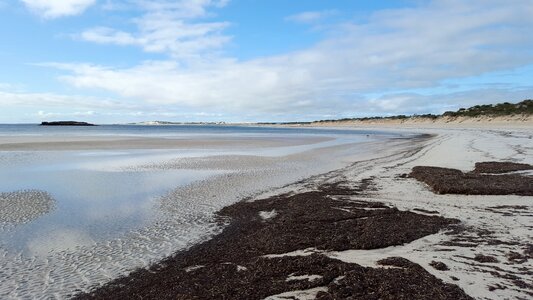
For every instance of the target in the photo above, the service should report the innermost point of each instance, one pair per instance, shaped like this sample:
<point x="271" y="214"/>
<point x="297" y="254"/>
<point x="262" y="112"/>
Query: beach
<point x="266" y="150"/>
<point x="424" y="245"/>
<point x="514" y="121"/>
<point x="82" y="207"/>
<point x="497" y="225"/>
<point x="332" y="225"/>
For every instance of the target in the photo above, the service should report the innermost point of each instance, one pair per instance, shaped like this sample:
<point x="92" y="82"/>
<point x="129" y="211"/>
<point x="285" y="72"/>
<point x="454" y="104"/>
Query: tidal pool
<point x="92" y="200"/>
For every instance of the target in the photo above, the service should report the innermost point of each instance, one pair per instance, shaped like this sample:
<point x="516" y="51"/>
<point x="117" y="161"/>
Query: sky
<point x="120" y="61"/>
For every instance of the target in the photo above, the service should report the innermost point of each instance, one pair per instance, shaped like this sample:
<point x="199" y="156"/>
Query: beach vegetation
<point x="524" y="107"/>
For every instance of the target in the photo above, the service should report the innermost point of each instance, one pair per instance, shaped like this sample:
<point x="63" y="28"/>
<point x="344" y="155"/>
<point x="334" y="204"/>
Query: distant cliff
<point x="66" y="123"/>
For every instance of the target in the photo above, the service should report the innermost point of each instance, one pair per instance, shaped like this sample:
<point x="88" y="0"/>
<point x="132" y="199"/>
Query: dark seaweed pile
<point x="496" y="167"/>
<point x="232" y="265"/>
<point x="482" y="181"/>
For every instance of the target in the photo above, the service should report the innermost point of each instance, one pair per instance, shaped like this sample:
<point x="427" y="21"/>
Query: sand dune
<point x="496" y="122"/>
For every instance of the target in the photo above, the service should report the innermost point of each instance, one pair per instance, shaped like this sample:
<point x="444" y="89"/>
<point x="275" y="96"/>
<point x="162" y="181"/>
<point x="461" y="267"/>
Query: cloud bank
<point x="396" y="50"/>
<point x="168" y="27"/>
<point x="361" y="68"/>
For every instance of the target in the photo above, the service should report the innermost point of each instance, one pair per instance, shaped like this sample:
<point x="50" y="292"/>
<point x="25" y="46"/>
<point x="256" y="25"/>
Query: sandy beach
<point x="307" y="216"/>
<point x="371" y="218"/>
<point x="495" y="225"/>
<point x="519" y="121"/>
<point x="266" y="150"/>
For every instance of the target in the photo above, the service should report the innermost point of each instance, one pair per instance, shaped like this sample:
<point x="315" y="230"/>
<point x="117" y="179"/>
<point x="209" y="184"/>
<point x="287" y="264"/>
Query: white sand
<point x="481" y="122"/>
<point x="461" y="149"/>
<point x="300" y="294"/>
<point x="303" y="277"/>
<point x="265" y="215"/>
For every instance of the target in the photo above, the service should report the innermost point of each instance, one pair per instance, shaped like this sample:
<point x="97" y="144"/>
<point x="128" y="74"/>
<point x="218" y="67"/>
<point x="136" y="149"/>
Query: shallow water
<point x="98" y="214"/>
<point x="179" y="131"/>
<point x="90" y="205"/>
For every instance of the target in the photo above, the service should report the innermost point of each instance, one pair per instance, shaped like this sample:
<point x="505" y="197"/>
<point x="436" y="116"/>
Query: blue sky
<point x="115" y="61"/>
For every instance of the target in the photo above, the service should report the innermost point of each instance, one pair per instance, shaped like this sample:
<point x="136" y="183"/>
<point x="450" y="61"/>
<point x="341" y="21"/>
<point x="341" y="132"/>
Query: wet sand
<point x="24" y="206"/>
<point x="113" y="143"/>
<point x="52" y="253"/>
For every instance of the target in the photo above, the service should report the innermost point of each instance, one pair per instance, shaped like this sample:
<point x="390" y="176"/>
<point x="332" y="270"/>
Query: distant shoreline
<point x="501" y="112"/>
<point x="440" y="122"/>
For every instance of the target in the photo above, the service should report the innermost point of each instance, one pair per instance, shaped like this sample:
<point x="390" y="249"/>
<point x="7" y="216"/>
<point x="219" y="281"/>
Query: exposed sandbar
<point x="110" y="143"/>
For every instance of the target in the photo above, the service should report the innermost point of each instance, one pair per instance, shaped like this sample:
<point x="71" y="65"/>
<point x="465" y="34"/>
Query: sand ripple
<point x="24" y="206"/>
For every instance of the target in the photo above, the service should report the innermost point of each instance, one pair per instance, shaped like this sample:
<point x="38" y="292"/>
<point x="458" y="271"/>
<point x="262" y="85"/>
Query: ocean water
<point x="168" y="130"/>
<point x="72" y="219"/>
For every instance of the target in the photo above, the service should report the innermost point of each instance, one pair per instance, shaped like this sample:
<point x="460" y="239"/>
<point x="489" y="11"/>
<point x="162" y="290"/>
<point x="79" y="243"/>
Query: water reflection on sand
<point x="92" y="203"/>
<point x="117" y="208"/>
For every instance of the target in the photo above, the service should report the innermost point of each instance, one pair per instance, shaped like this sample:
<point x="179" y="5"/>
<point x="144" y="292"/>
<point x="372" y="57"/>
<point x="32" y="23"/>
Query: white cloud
<point x="310" y="16"/>
<point x="230" y="84"/>
<point x="185" y="9"/>
<point x="43" y="114"/>
<point x="21" y="106"/>
<point x="5" y="86"/>
<point x="51" y="9"/>
<point x="168" y="27"/>
<point x="24" y="99"/>
<point x="161" y="35"/>
<point x="415" y="103"/>
<point x="397" y="49"/>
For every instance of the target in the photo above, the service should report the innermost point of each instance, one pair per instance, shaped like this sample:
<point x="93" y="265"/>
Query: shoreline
<point x="476" y="279"/>
<point x="244" y="261"/>
<point x="362" y="182"/>
<point x="495" y="122"/>
<point x="186" y="210"/>
<point x="250" y="250"/>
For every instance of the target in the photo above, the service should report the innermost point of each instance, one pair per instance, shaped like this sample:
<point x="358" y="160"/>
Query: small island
<point x="66" y="123"/>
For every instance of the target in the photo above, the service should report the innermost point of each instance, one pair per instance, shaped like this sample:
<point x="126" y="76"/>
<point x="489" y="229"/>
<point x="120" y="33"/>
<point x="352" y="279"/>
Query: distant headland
<point x="66" y="123"/>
